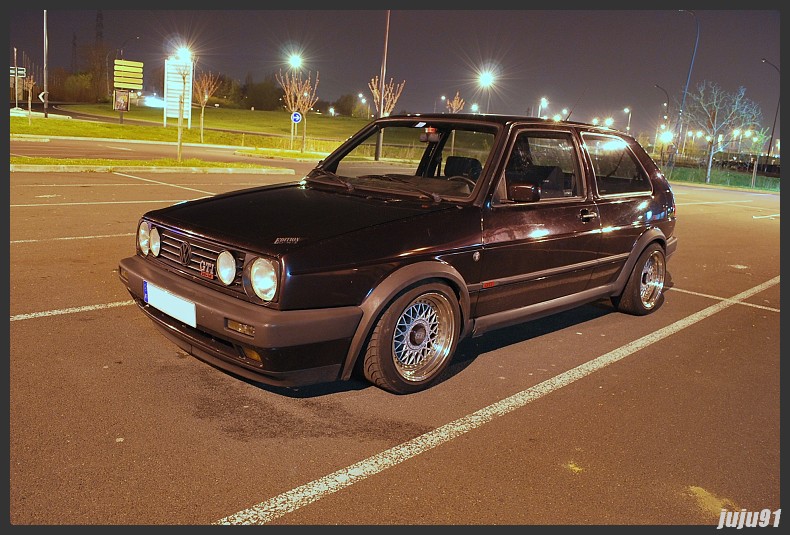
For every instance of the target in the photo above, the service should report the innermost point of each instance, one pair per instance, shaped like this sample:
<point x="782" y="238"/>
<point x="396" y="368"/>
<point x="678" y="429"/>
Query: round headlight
<point x="263" y="277"/>
<point x="144" y="237"/>
<point x="226" y="267"/>
<point x="156" y="243"/>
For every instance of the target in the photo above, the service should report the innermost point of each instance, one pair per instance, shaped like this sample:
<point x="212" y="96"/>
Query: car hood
<point x="277" y="219"/>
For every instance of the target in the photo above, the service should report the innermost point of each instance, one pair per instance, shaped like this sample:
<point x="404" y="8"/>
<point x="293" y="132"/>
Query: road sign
<point x="41" y="95"/>
<point x="296" y="117"/>
<point x="128" y="74"/>
<point x="19" y="72"/>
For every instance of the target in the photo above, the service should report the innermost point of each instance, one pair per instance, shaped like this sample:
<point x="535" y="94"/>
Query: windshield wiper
<point x="435" y="197"/>
<point x="348" y="185"/>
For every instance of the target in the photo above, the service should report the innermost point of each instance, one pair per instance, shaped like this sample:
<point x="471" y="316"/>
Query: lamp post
<point x="664" y="111"/>
<point x="136" y="37"/>
<point x="776" y="114"/>
<point x="118" y="52"/>
<point x="486" y="80"/>
<point x="443" y="98"/>
<point x="678" y="126"/>
<point x="628" y="127"/>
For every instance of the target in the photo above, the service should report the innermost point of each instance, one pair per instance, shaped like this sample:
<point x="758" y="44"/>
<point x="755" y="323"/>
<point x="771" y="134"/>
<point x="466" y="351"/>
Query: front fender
<point x="383" y="294"/>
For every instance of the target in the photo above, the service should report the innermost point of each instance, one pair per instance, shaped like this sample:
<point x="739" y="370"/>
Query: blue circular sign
<point x="296" y="116"/>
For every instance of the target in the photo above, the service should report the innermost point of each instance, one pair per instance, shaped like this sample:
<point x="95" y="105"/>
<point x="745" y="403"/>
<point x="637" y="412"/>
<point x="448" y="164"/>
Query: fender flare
<point x="651" y="235"/>
<point x="395" y="283"/>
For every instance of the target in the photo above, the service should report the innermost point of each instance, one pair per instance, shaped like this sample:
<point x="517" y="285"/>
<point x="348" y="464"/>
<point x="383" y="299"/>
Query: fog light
<point x="242" y="328"/>
<point x="251" y="354"/>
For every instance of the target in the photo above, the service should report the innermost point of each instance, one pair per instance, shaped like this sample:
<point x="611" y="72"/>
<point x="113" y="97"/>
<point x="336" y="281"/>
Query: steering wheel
<point x="468" y="180"/>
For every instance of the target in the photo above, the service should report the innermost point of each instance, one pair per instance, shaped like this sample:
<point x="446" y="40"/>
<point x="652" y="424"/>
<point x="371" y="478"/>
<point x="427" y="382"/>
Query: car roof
<point x="504" y="119"/>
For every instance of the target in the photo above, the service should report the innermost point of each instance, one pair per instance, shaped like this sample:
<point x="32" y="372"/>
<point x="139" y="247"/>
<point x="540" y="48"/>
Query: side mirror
<point x="523" y="192"/>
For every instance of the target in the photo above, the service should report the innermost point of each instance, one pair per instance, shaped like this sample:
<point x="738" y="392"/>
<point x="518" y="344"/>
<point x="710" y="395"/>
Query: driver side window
<point x="544" y="160"/>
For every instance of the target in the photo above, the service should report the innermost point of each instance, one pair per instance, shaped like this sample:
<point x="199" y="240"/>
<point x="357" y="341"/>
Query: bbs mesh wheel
<point x="414" y="339"/>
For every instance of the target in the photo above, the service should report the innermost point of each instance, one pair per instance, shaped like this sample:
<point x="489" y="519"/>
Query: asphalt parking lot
<point x="585" y="417"/>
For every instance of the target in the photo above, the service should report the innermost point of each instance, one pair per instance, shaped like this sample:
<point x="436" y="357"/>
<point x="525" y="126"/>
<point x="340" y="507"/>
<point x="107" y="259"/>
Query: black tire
<point x="644" y="291"/>
<point x="414" y="339"/>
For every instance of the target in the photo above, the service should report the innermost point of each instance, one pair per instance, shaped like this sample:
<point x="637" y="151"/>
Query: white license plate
<point x="170" y="304"/>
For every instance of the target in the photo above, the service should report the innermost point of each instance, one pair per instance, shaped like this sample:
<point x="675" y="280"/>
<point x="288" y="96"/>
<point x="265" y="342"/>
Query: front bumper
<point x="288" y="348"/>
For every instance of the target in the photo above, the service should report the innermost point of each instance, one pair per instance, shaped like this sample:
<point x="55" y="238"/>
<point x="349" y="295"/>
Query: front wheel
<point x="644" y="291"/>
<point x="414" y="339"/>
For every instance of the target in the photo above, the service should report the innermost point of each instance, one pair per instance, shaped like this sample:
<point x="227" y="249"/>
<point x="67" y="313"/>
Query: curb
<point x="25" y="168"/>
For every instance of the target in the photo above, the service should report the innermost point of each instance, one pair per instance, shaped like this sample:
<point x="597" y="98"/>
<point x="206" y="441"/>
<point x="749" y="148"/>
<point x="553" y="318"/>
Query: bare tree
<point x="29" y="84"/>
<point x="300" y="95"/>
<point x="455" y="104"/>
<point x="184" y="70"/>
<point x="391" y="95"/>
<point x="205" y="86"/>
<point x="718" y="114"/>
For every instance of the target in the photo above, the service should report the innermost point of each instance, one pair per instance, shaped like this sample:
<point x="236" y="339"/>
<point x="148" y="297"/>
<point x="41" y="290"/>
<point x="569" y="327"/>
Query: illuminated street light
<point x="595" y="121"/>
<point x="543" y="103"/>
<point x="443" y="98"/>
<point x="486" y="80"/>
<point x="628" y="128"/>
<point x="295" y="61"/>
<point x="475" y="108"/>
<point x="608" y="122"/>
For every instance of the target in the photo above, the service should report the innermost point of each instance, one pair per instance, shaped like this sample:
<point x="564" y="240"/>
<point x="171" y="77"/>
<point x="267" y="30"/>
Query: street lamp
<point x="771" y="142"/>
<point x="628" y="127"/>
<point x="295" y="61"/>
<point x="118" y="51"/>
<point x="443" y="98"/>
<point x="608" y="122"/>
<point x="136" y="37"/>
<point x="543" y="103"/>
<point x="486" y="80"/>
<point x="678" y="126"/>
<point x="475" y="108"/>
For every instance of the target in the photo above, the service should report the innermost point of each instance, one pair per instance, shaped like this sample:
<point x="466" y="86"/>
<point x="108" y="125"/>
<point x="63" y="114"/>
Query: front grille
<point x="197" y="258"/>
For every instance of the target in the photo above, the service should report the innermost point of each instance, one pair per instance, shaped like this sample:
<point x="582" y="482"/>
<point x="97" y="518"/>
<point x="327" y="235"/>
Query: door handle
<point x="586" y="215"/>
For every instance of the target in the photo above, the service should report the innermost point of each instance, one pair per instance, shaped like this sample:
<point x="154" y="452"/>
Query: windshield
<point x="431" y="159"/>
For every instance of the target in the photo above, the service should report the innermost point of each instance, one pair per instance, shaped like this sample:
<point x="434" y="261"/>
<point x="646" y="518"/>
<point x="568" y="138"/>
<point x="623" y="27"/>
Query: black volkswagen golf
<point x="418" y="231"/>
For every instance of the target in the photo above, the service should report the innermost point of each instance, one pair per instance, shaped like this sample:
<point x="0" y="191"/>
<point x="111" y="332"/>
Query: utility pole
<point x="46" y="93"/>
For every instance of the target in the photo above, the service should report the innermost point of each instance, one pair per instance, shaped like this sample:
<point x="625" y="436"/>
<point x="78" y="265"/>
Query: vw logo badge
<point x="185" y="254"/>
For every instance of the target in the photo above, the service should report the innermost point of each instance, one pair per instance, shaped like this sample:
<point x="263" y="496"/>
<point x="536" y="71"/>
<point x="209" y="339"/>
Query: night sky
<point x="595" y="62"/>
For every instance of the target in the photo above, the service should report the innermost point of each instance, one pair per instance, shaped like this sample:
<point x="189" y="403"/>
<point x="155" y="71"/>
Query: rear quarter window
<point x="617" y="169"/>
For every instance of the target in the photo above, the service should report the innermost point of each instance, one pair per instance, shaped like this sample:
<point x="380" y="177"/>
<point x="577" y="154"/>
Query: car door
<point x="624" y="195"/>
<point x="541" y="248"/>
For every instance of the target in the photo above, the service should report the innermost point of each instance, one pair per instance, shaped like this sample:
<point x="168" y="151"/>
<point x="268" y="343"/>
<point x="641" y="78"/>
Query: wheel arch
<point x="652" y="235"/>
<point x="391" y="287"/>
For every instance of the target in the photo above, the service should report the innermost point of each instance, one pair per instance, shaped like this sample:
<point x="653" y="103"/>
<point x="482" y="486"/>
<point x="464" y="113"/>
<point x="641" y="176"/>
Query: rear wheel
<point x="414" y="339"/>
<point x="644" y="291"/>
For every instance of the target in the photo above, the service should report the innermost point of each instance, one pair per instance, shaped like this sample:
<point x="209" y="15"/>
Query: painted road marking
<point x="75" y="238"/>
<point x="88" y="308"/>
<point x="308" y="493"/>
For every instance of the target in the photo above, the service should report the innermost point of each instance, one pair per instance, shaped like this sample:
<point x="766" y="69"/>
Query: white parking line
<point x="308" y="493"/>
<point x="164" y="183"/>
<point x="75" y="238"/>
<point x="711" y="202"/>
<point x="70" y="310"/>
<point x="39" y="205"/>
<point x="717" y="298"/>
<point x="765" y="216"/>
